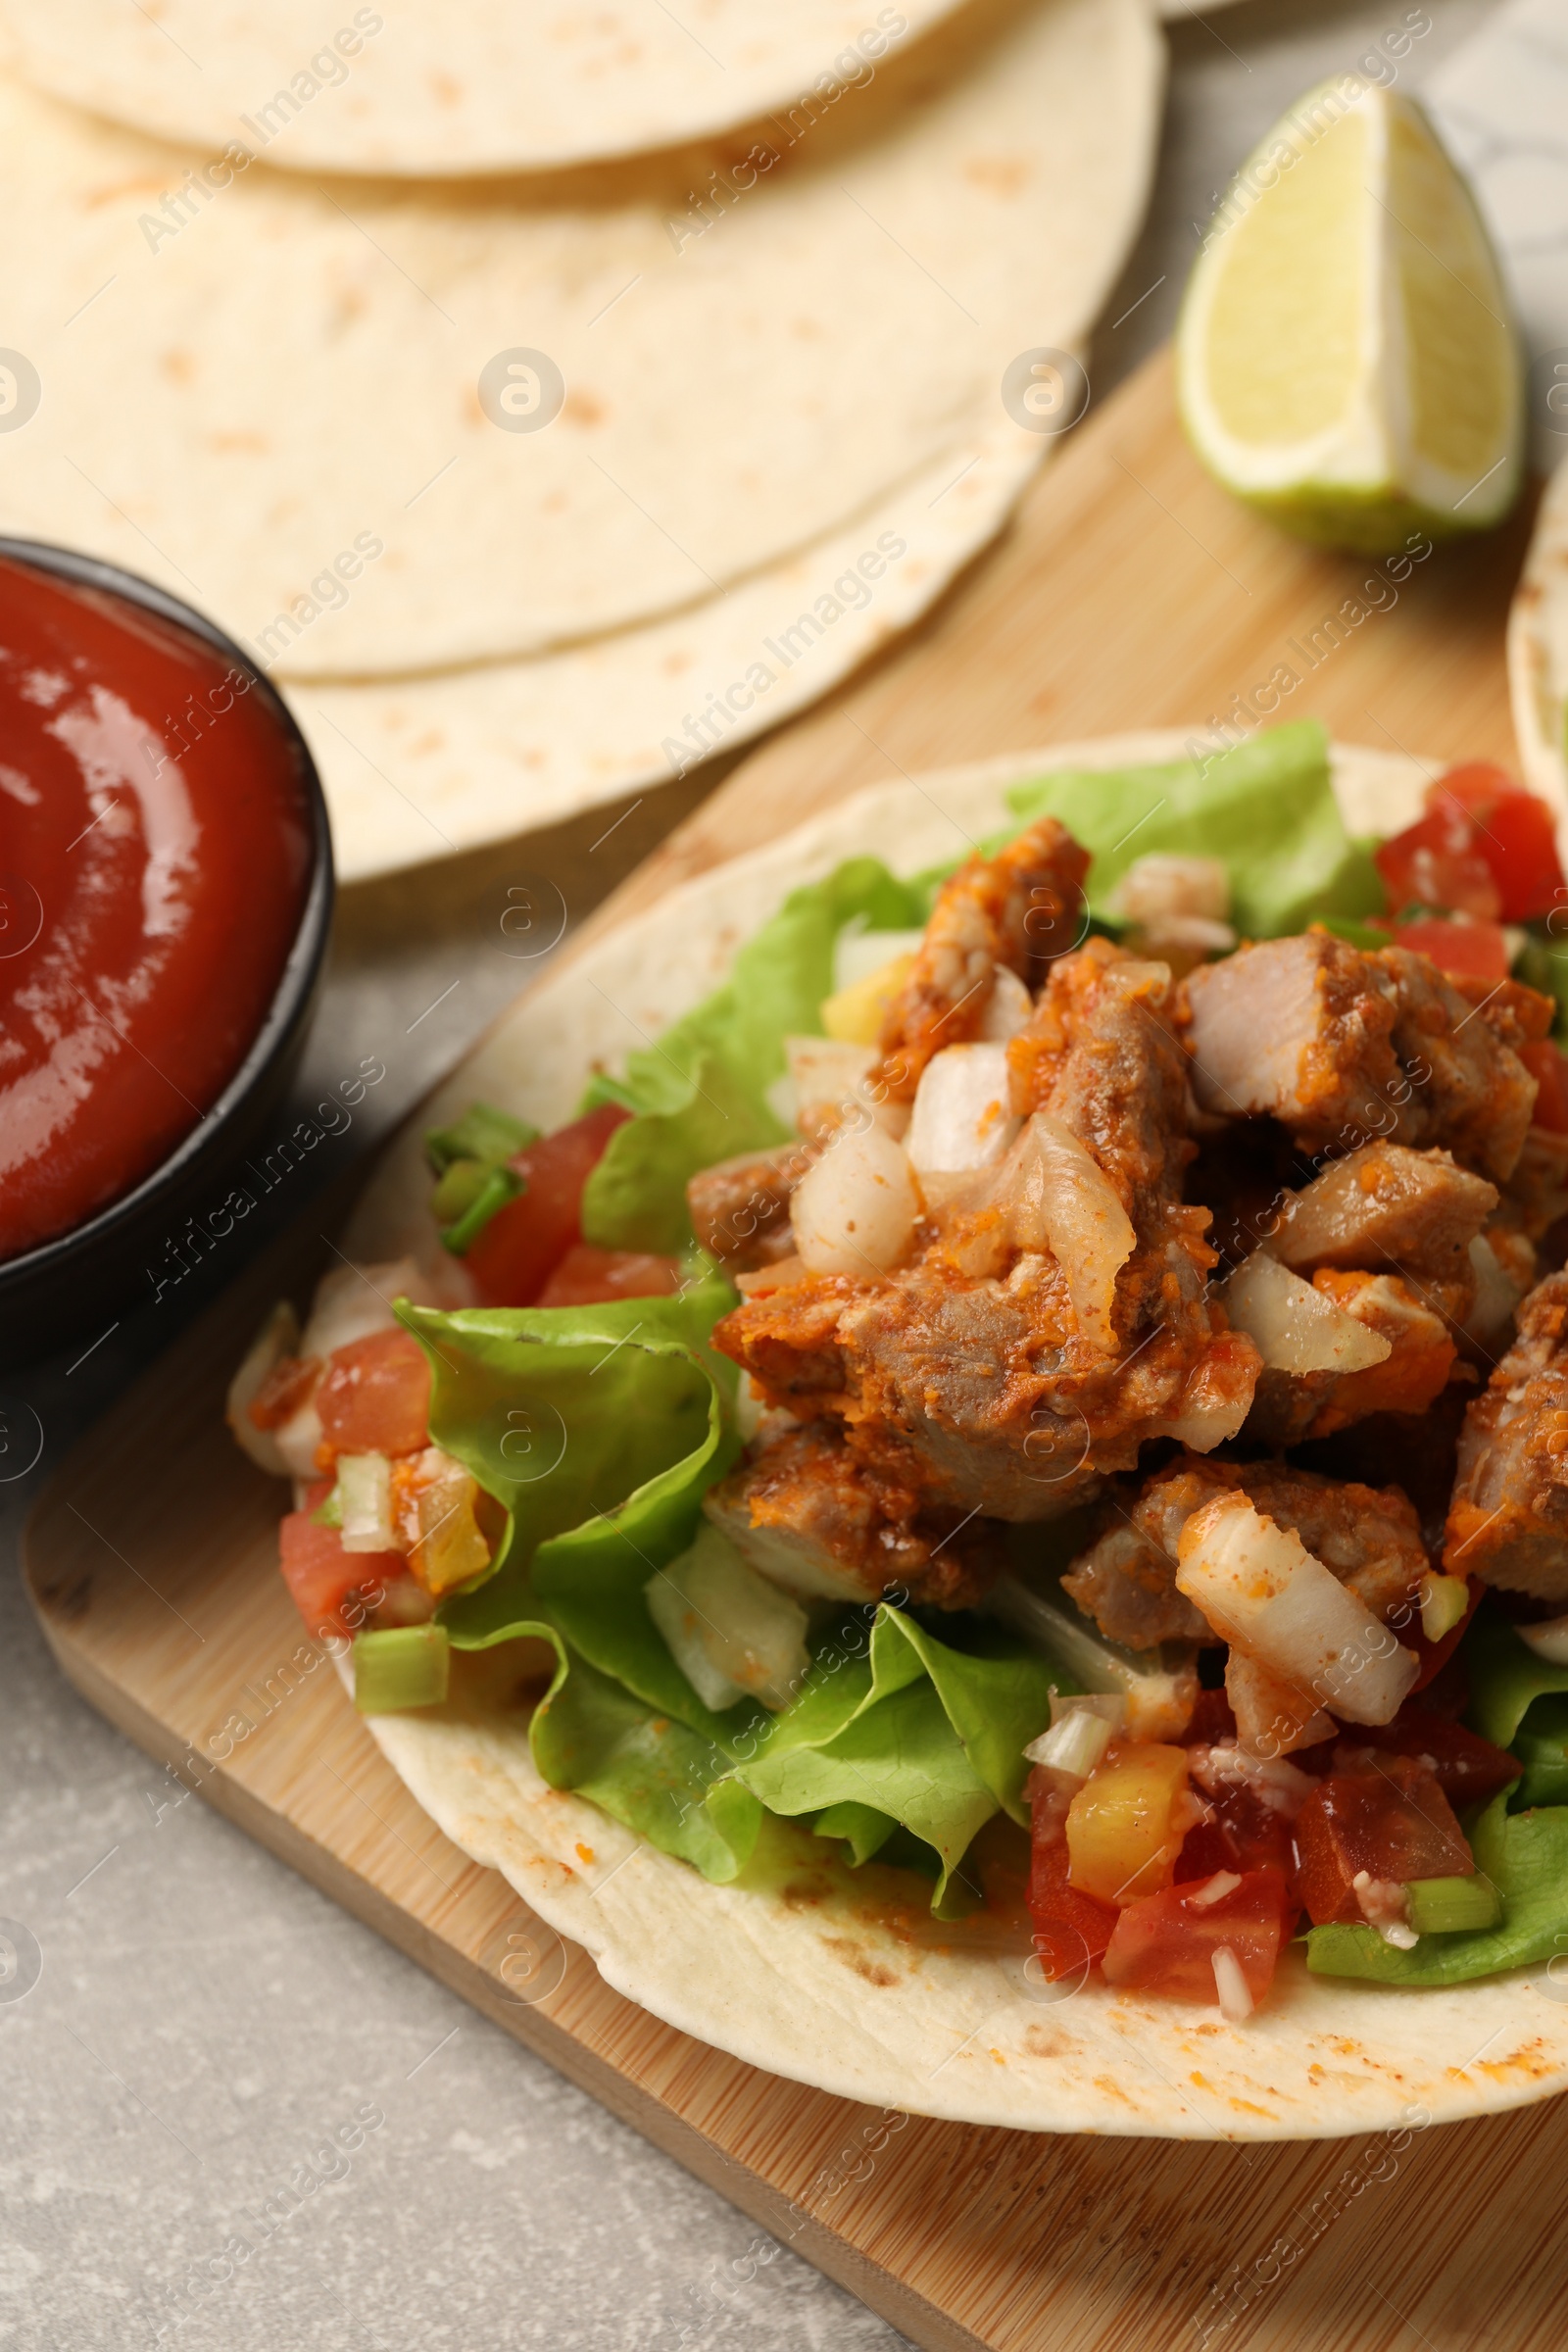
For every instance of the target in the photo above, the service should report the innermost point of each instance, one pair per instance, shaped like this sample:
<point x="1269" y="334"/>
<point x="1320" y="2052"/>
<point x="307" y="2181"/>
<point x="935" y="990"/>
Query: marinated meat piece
<point x="1019" y="909"/>
<point x="971" y="1364"/>
<point x="1479" y="1096"/>
<point x="1293" y="1406"/>
<point x="1386" y="1205"/>
<point x="1342" y="1044"/>
<point x="1368" y="1537"/>
<point x="1515" y="1014"/>
<point x="806" y="1513"/>
<point x="1301" y="1028"/>
<point x="1127" y="1584"/>
<point x="1535" y="1195"/>
<point x="1508" y="1521"/>
<point x="740" y="1209"/>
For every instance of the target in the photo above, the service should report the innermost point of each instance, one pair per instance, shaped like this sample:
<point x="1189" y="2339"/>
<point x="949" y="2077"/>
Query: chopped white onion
<point x="1090" y="1702"/>
<point x="732" y="1634"/>
<point x="279" y="1336"/>
<point x="1261" y="1588"/>
<point x="1159" y="886"/>
<point x="963" y="1113"/>
<point x="1230" y="1989"/>
<point x="1074" y="1744"/>
<point x="1293" y="1327"/>
<point x="854" y="1212"/>
<point x="365" y="1495"/>
<point x="1056" y="1197"/>
<point x="827" y="1081"/>
<point x="1008" y="1008"/>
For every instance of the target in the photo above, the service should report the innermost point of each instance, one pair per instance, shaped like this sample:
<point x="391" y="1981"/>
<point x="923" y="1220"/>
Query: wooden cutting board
<point x="1130" y="593"/>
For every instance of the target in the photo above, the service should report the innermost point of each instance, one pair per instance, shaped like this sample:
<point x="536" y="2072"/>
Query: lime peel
<point x="1347" y="356"/>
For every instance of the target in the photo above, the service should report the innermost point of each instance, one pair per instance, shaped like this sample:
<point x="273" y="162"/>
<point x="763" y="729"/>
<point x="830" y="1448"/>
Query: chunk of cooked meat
<point x="1018" y="910"/>
<point x="1515" y="1014"/>
<point x="1535" y="1195"/>
<point x="1369" y="1537"/>
<point x="971" y="1364"/>
<point x="1342" y="1044"/>
<point x="1386" y="1205"/>
<point x="740" y="1209"/>
<point x="810" y="1516"/>
<point x="1508" y="1521"/>
<point x="1290" y="1407"/>
<point x="1301" y="1028"/>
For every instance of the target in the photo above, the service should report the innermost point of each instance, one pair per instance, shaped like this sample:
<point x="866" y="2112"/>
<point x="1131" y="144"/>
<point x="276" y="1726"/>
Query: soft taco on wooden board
<point x="960" y="1474"/>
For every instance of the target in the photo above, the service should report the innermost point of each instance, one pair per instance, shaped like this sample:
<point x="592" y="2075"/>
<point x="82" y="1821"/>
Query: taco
<point x="954" y="1465"/>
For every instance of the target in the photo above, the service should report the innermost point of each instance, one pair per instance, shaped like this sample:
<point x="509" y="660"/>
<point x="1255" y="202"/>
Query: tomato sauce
<point x="153" y="870"/>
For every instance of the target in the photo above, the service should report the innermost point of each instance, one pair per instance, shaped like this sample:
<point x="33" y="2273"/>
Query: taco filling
<point x="1053" y="1377"/>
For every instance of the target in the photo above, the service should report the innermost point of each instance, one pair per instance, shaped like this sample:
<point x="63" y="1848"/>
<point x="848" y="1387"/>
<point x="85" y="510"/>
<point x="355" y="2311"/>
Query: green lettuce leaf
<point x="1526" y="1857"/>
<point x="919" y="1732"/>
<point x="600" y="1428"/>
<point x="701" y="1093"/>
<point x="1506" y="1678"/>
<point x="1266" y="807"/>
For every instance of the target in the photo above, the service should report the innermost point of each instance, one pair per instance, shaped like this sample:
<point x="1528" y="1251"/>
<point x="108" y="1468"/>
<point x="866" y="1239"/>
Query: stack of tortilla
<point x="550" y="398"/>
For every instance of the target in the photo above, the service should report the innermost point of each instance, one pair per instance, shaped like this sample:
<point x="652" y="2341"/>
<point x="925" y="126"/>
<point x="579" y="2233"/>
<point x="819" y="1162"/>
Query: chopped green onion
<point x="1452" y="1906"/>
<point x="459" y="1189"/>
<point x="498" y="1186"/>
<point x="483" y="1133"/>
<point x="401" y="1666"/>
<point x="328" y="1512"/>
<point x="363" y="1496"/>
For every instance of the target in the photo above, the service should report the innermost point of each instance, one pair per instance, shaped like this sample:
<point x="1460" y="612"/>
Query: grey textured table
<point x="205" y="2024"/>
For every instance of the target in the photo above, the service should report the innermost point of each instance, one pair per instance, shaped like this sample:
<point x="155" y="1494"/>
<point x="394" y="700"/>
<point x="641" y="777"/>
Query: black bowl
<point x="83" y="1281"/>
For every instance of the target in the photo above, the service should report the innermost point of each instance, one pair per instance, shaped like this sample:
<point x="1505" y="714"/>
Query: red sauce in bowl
<point x="155" y="851"/>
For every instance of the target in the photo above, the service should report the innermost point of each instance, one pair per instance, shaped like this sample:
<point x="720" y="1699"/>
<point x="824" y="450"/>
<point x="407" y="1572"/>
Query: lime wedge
<point x="1346" y="358"/>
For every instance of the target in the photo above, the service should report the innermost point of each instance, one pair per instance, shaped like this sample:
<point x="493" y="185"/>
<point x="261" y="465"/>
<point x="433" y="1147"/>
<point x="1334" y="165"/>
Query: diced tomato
<point x="324" y="1579"/>
<point x="1072" y="1930"/>
<point x="1166" y="1942"/>
<point x="1483" y="846"/>
<point x="376" y="1396"/>
<point x="1513" y="831"/>
<point x="1471" y="950"/>
<point x="1437" y="862"/>
<point x="1547" y="1065"/>
<point x="1393" y="1823"/>
<point x="1241" y="1833"/>
<point x="587" y="1277"/>
<point x="514" y="1255"/>
<point x="1468" y="1769"/>
<point x="284" y="1389"/>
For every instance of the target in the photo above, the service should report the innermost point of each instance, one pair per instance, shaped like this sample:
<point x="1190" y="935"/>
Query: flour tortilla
<point x="1538" y="651"/>
<point x="466" y="86"/>
<point x="291" y="376"/>
<point x="420" y="767"/>
<point x="814" y="1991"/>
